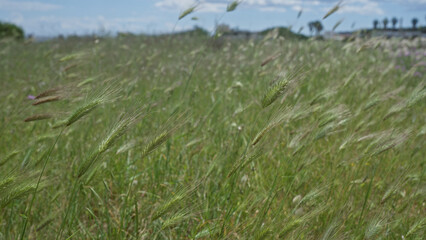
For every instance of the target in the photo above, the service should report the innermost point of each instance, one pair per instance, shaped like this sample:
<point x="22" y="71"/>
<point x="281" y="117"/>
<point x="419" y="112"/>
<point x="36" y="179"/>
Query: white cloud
<point x="173" y="4"/>
<point x="17" y="18"/>
<point x="256" y="2"/>
<point x="413" y="1"/>
<point x="212" y="7"/>
<point x="415" y="5"/>
<point x="272" y="9"/>
<point x="295" y="2"/>
<point x="172" y="27"/>
<point x="201" y="5"/>
<point x="52" y="25"/>
<point x="27" y="6"/>
<point x="364" y="7"/>
<point x="297" y="8"/>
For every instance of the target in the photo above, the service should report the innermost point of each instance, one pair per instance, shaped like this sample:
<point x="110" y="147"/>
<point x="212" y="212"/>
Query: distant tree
<point x="199" y="31"/>
<point x="385" y="23"/>
<point x="318" y="27"/>
<point x="222" y="28"/>
<point x="315" y="26"/>
<point x="394" y="22"/>
<point x="311" y="27"/>
<point x="414" y="21"/>
<point x="375" y="23"/>
<point x="10" y="30"/>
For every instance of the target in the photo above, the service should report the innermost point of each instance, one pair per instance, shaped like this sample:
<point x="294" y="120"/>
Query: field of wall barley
<point x="183" y="137"/>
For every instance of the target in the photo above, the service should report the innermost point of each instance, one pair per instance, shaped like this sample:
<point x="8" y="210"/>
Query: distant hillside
<point x="273" y="32"/>
<point x="196" y="31"/>
<point x="284" y="32"/>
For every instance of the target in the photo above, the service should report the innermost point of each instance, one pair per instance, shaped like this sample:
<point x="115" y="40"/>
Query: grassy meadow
<point x="190" y="137"/>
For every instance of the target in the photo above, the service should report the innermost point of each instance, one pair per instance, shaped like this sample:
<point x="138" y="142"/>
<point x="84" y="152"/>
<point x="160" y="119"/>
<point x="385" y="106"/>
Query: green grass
<point x="184" y="138"/>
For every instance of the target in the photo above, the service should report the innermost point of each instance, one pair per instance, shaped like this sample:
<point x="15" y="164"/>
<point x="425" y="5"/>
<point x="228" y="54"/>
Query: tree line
<point x="394" y="22"/>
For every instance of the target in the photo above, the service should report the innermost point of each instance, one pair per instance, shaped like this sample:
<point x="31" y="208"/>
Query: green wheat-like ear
<point x="311" y="196"/>
<point x="333" y="10"/>
<point x="262" y="133"/>
<point x="232" y="6"/>
<point x="187" y="12"/>
<point x="279" y="117"/>
<point x="82" y="111"/>
<point x="15" y="186"/>
<point x="163" y="208"/>
<point x="9" y="156"/>
<point x="5" y="181"/>
<point x="174" y="123"/>
<point x="17" y="192"/>
<point x="254" y="153"/>
<point x="274" y="92"/>
<point x="208" y="231"/>
<point x="176" y="218"/>
<point x="421" y="224"/>
<point x="374" y="228"/>
<point x="280" y="86"/>
<point x="156" y="142"/>
<point x="98" y="99"/>
<point x="337" y="24"/>
<point x="295" y="222"/>
<point x="174" y="200"/>
<point x="418" y="94"/>
<point x="76" y="55"/>
<point x="117" y="131"/>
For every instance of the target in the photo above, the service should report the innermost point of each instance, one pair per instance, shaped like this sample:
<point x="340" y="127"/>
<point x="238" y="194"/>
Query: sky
<point x="82" y="17"/>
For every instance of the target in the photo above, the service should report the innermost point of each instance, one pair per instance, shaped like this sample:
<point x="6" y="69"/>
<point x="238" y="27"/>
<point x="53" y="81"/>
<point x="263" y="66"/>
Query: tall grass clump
<point x="331" y="150"/>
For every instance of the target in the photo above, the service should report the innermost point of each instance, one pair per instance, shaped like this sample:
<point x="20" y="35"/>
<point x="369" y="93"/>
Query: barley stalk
<point x="421" y="224"/>
<point x="251" y="156"/>
<point x="186" y="12"/>
<point x="171" y="126"/>
<point x="175" y="219"/>
<point x="46" y="100"/>
<point x="333" y="10"/>
<point x="373" y="229"/>
<point x="155" y="143"/>
<point x="82" y="111"/>
<point x="277" y="120"/>
<point x="274" y="92"/>
<point x="118" y="131"/>
<point x="163" y="208"/>
<point x="232" y="6"/>
<point x="337" y="24"/>
<point x="173" y="201"/>
<point x="9" y="156"/>
<point x="47" y="93"/>
<point x="38" y="117"/>
<point x="6" y="181"/>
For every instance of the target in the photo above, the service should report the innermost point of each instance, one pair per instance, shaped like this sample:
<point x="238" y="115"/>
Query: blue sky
<point x="53" y="17"/>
